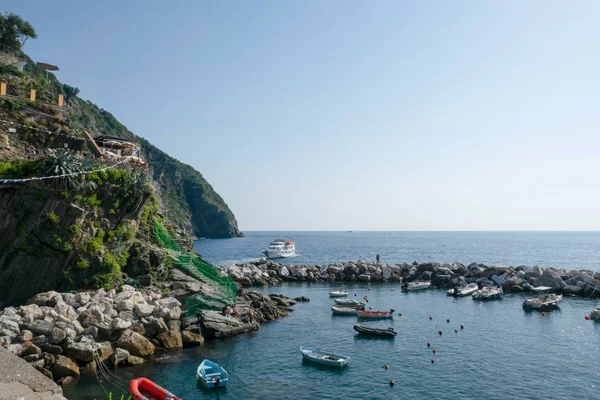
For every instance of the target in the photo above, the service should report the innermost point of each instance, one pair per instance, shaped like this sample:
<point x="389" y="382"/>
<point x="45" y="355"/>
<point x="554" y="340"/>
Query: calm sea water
<point x="503" y="352"/>
<point x="571" y="250"/>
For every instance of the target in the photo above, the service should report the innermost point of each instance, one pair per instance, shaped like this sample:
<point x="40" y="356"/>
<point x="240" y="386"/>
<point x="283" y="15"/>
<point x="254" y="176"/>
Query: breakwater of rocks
<point x="63" y="335"/>
<point x="518" y="279"/>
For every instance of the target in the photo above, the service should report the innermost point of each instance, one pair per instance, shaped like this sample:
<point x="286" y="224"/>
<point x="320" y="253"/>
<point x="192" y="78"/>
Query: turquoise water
<point x="503" y="352"/>
<point x="571" y="250"/>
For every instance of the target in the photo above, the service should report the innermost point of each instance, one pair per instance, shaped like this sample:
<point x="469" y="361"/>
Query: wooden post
<point x="2" y="89"/>
<point x="32" y="95"/>
<point x="61" y="100"/>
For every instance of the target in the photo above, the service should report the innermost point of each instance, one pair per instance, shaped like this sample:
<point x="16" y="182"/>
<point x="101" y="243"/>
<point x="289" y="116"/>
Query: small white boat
<point x="281" y="248"/>
<point x="464" y="291"/>
<point x="488" y="293"/>
<point x="324" y="357"/>
<point x="416" y="285"/>
<point x="339" y="310"/>
<point x="338" y="293"/>
<point x="543" y="303"/>
<point x="375" y="314"/>
<point x="212" y="375"/>
<point x="346" y="302"/>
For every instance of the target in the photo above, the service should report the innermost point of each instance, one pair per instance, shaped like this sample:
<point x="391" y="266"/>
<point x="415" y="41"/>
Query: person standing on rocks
<point x="377" y="258"/>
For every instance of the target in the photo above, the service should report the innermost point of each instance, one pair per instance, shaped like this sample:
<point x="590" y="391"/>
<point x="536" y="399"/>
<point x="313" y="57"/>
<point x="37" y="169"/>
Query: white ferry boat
<point x="281" y="248"/>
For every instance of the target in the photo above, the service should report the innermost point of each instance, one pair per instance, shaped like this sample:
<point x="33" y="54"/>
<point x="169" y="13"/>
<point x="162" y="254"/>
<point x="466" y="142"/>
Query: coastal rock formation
<point x="512" y="279"/>
<point x="595" y="315"/>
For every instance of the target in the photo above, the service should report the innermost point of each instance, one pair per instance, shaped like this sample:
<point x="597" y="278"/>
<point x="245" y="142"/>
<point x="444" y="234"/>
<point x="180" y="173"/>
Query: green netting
<point x="217" y="291"/>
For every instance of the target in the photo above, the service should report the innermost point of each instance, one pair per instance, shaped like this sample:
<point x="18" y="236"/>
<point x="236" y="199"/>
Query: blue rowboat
<point x="324" y="357"/>
<point x="212" y="375"/>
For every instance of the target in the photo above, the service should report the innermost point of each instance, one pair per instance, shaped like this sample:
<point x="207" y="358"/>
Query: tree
<point x="14" y="31"/>
<point x="70" y="92"/>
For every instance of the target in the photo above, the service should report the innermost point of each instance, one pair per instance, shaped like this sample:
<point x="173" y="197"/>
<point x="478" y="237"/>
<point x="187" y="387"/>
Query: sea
<point x="503" y="352"/>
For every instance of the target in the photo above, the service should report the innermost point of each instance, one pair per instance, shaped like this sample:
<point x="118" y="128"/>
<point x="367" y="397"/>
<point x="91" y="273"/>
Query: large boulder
<point x="364" y="278"/>
<point x="171" y="339"/>
<point x="143" y="310"/>
<point x="42" y="327"/>
<point x="48" y="299"/>
<point x="595" y="315"/>
<point x="533" y="272"/>
<point x="572" y="290"/>
<point x="118" y="324"/>
<point x="64" y="366"/>
<point x="135" y="343"/>
<point x="284" y="272"/>
<point x="333" y="269"/>
<point x="119" y="356"/>
<point x="57" y="335"/>
<point x="551" y="278"/>
<point x="83" y="350"/>
<point x="350" y="269"/>
<point x="191" y="338"/>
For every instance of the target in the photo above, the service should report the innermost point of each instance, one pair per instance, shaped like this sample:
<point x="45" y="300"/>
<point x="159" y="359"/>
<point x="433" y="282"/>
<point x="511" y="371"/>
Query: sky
<point x="353" y="115"/>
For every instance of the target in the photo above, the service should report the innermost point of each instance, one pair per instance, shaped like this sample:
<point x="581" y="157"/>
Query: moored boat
<point x="416" y="285"/>
<point x="346" y="302"/>
<point x="324" y="357"/>
<point x="338" y="310"/>
<point x="375" y="314"/>
<point x="464" y="291"/>
<point x="368" y="331"/>
<point x="338" y="293"/>
<point x="145" y="389"/>
<point x="212" y="375"/>
<point x="488" y="293"/>
<point x="543" y="303"/>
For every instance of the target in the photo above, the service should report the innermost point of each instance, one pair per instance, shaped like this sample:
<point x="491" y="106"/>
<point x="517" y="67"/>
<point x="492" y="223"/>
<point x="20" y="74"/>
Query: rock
<point x="595" y="315"/>
<point x="169" y="302"/>
<point x="64" y="366"/>
<point x="215" y="324"/>
<point x="39" y="365"/>
<point x="133" y="360"/>
<point x="82" y="298"/>
<point x="533" y="272"/>
<point x="39" y="340"/>
<point x="135" y="343"/>
<point x="49" y="360"/>
<point x="302" y="299"/>
<point x="65" y="380"/>
<point x="25" y="336"/>
<point x="364" y="278"/>
<point x="550" y="277"/>
<point x="572" y="290"/>
<point x="333" y="269"/>
<point x="42" y="327"/>
<point x="48" y="299"/>
<point x="89" y="318"/>
<point x="350" y="269"/>
<point x="30" y="348"/>
<point x="143" y="310"/>
<point x="52" y="349"/>
<point x="83" y="350"/>
<point x="57" y="335"/>
<point x="91" y="331"/>
<point x="125" y="305"/>
<point x="31" y="358"/>
<point x="119" y="356"/>
<point x="172" y="338"/>
<point x="104" y="351"/>
<point x="10" y="325"/>
<point x="191" y="339"/>
<point x="284" y="272"/>
<point x="119" y="324"/>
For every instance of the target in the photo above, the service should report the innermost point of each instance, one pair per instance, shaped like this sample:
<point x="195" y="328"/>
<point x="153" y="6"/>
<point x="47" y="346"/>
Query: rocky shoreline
<point x="584" y="283"/>
<point x="63" y="335"/>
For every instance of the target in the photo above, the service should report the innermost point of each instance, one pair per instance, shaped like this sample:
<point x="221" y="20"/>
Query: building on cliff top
<point x="116" y="146"/>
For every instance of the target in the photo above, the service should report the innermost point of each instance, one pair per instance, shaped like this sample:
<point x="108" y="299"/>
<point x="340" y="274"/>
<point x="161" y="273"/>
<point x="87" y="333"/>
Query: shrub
<point x="75" y="230"/>
<point x="18" y="169"/>
<point x="112" y="211"/>
<point x="52" y="217"/>
<point x="78" y="198"/>
<point x="93" y="201"/>
<point x="64" y="194"/>
<point x="93" y="245"/>
<point x="67" y="246"/>
<point x="82" y="264"/>
<point x="63" y="162"/>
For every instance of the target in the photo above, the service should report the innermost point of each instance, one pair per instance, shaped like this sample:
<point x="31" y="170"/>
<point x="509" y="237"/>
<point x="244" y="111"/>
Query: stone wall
<point x="9" y="59"/>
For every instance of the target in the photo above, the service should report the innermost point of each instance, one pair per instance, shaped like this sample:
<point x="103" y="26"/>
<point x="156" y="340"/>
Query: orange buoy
<point x="440" y="332"/>
<point x="428" y="344"/>
<point x="462" y="326"/>
<point x="433" y="351"/>
<point x="432" y="361"/>
<point x="430" y="317"/>
<point x="587" y="317"/>
<point x="543" y="313"/>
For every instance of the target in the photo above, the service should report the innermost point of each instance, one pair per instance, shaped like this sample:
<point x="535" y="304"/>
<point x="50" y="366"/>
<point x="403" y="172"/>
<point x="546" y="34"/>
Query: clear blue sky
<point x="335" y="115"/>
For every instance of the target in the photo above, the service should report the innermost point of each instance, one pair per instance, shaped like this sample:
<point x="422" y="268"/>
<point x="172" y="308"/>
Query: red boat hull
<point x="375" y="314"/>
<point x="145" y="389"/>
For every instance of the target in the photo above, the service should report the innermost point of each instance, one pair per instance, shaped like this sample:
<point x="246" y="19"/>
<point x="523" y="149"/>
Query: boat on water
<point x="416" y="285"/>
<point x="324" y="357"/>
<point x="375" y="314"/>
<point x="212" y="375"/>
<point x="543" y="303"/>
<point x="339" y="310"/>
<point x="145" y="389"/>
<point x="338" y="293"/>
<point x="346" y="302"/>
<point x="463" y="291"/>
<point x="488" y="293"/>
<point x="280" y="248"/>
<point x="368" y="331"/>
